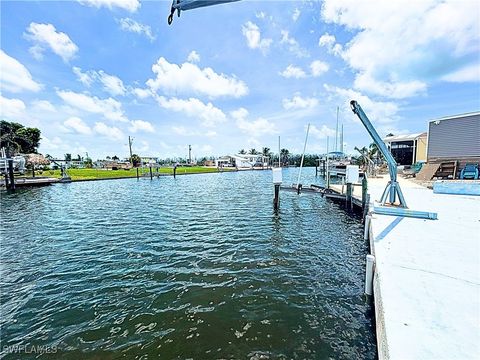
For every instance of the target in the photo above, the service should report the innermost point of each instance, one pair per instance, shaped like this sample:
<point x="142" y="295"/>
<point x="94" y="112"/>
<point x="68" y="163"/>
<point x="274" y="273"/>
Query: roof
<point x="459" y="116"/>
<point x="406" y="137"/>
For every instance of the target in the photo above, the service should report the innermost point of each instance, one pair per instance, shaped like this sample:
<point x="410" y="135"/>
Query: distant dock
<point x="38" y="181"/>
<point x="427" y="275"/>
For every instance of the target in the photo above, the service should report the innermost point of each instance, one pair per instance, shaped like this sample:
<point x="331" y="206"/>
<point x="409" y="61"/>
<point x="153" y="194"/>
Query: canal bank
<point x="427" y="275"/>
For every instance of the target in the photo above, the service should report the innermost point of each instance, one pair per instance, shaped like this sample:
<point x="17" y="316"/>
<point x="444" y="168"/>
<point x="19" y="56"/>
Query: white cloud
<point x="189" y="78"/>
<point x="260" y="15"/>
<point x="42" y="106"/>
<point x="111" y="132"/>
<point x="210" y="115"/>
<point x="11" y="109"/>
<point x="293" y="45"/>
<point x="319" y="68"/>
<point x="381" y="112"/>
<point x="78" y="125"/>
<point x="184" y="131"/>
<point x="110" y="108"/>
<point x="297" y="102"/>
<point x="398" y="49"/>
<point x="111" y="83"/>
<point x="322" y="133"/>
<point x="141" y="125"/>
<point x="396" y="90"/>
<point x="193" y="57"/>
<point x="86" y="78"/>
<point x="46" y="36"/>
<point x="254" y="128"/>
<point x="129" y="5"/>
<point x="469" y="73"/>
<point x="296" y="14"/>
<point x="293" y="72"/>
<point x="327" y="40"/>
<point x="14" y="76"/>
<point x="142" y="93"/>
<point x="131" y="25"/>
<point x="254" y="38"/>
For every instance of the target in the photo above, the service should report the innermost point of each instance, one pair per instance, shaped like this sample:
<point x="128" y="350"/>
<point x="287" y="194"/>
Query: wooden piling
<point x="364" y="191"/>
<point x="137" y="173"/>
<point x="11" y="177"/>
<point x="349" y="196"/>
<point x="151" y="173"/>
<point x="276" y="199"/>
<point x="175" y="172"/>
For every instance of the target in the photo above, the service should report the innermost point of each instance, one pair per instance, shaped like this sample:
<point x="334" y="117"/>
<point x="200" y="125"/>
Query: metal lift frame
<point x="393" y="189"/>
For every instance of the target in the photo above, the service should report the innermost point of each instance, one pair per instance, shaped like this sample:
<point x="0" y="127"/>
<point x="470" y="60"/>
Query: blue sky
<point x="226" y="77"/>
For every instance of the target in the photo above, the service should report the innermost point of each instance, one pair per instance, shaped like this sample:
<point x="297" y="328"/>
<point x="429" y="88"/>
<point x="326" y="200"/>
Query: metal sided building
<point x="408" y="149"/>
<point x="454" y="138"/>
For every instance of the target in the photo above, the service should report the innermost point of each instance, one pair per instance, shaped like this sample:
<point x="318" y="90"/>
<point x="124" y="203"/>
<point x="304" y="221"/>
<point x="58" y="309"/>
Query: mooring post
<point x="175" y="171"/>
<point x="369" y="275"/>
<point x="33" y="170"/>
<point x="349" y="195"/>
<point x="151" y="173"/>
<point x="277" y="181"/>
<point x="137" y="173"/>
<point x="324" y="170"/>
<point x="10" y="175"/>
<point x="6" y="179"/>
<point x="364" y="190"/>
<point x="316" y="169"/>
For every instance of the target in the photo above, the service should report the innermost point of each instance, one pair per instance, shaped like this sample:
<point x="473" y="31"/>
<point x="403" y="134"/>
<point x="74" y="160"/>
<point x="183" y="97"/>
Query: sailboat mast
<point x="336" y="134"/>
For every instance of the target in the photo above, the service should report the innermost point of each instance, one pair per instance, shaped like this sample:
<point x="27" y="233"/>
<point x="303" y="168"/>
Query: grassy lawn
<point x="86" y="174"/>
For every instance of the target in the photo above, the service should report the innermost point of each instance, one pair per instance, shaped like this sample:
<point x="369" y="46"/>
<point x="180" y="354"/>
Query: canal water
<point x="194" y="268"/>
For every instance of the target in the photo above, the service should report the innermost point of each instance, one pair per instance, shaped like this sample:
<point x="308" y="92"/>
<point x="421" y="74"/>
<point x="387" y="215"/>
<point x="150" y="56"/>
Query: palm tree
<point x="284" y="153"/>
<point x="265" y="151"/>
<point x="242" y="151"/>
<point x="252" y="152"/>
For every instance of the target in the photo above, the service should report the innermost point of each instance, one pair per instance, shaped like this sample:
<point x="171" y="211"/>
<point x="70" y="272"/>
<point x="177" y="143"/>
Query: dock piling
<point x="11" y="180"/>
<point x="369" y="275"/>
<point x="151" y="173"/>
<point x="277" y="181"/>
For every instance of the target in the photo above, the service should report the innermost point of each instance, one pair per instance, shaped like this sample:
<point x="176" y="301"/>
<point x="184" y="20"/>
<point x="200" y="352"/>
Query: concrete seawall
<point x="427" y="276"/>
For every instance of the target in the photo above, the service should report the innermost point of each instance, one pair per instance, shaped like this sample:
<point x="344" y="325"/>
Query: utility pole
<point x="190" y="154"/>
<point x="130" y="141"/>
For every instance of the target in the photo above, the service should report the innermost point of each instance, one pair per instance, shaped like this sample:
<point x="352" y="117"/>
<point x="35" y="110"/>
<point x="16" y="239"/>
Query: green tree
<point x="242" y="151"/>
<point x="16" y="138"/>
<point x="253" y="152"/>
<point x="284" y="154"/>
<point x="135" y="160"/>
<point x="88" y="163"/>
<point x="266" y="151"/>
<point x="68" y="157"/>
<point x="116" y="158"/>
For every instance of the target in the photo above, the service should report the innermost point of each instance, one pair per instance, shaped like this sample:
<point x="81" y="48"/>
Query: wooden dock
<point x="28" y="182"/>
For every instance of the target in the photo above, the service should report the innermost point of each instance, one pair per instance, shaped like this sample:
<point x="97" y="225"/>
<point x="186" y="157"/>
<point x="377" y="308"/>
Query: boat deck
<point x="427" y="275"/>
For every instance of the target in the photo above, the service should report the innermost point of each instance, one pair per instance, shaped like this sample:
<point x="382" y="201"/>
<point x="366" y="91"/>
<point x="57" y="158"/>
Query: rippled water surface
<point x="198" y="267"/>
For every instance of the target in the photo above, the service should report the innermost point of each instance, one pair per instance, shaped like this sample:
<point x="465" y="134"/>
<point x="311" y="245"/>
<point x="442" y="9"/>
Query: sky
<point x="234" y="76"/>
